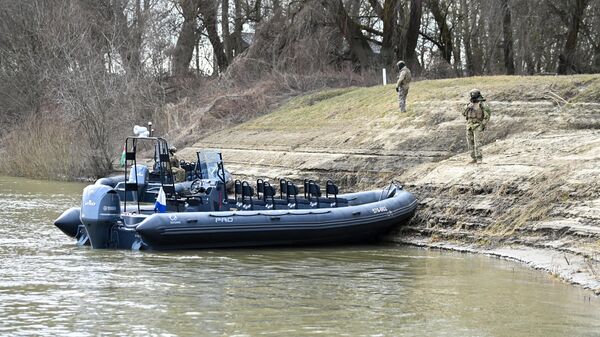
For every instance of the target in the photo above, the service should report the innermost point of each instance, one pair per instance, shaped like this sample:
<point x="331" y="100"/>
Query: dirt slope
<point x="538" y="186"/>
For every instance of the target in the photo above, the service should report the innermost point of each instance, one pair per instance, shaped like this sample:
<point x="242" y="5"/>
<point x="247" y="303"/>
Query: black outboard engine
<point x="100" y="210"/>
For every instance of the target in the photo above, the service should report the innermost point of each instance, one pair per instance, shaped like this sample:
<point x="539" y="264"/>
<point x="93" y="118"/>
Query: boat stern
<point x="100" y="212"/>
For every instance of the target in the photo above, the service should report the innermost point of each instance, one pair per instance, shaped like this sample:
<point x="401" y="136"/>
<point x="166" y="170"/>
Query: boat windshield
<point x="210" y="162"/>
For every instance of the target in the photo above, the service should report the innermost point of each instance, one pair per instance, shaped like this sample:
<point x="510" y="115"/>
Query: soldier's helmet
<point x="475" y="94"/>
<point x="400" y="64"/>
<point x="172" y="149"/>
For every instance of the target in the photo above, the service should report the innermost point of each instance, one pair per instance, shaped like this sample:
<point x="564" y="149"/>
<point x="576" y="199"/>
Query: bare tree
<point x="359" y="46"/>
<point x="573" y="19"/>
<point x="188" y="35"/>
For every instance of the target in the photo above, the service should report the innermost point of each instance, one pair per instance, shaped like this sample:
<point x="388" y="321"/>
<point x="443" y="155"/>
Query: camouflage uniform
<point x="477" y="114"/>
<point x="178" y="172"/>
<point x="402" y="85"/>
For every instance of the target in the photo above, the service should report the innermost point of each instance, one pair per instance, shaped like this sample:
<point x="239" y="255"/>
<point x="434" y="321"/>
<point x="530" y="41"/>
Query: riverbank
<point x="535" y="196"/>
<point x="576" y="269"/>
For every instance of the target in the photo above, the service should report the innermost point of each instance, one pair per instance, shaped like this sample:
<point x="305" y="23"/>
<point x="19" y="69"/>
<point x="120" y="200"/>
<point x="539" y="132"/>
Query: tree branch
<point x="430" y="39"/>
<point x="377" y="8"/>
<point x="370" y="30"/>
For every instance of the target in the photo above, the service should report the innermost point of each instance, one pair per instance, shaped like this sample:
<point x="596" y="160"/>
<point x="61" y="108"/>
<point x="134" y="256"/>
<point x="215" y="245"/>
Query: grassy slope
<point x="354" y="105"/>
<point x="352" y="121"/>
<point x="355" y="117"/>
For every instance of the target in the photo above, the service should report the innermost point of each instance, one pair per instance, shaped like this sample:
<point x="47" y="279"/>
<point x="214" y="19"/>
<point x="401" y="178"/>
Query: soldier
<point x="477" y="114"/>
<point x="403" y="84"/>
<point x="178" y="172"/>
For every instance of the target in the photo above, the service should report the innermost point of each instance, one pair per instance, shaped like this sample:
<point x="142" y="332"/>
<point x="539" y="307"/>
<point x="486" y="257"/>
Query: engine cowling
<point x="100" y="210"/>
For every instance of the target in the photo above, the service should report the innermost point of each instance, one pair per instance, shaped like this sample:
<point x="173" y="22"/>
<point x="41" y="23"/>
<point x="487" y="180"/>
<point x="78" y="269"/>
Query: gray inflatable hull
<point x="321" y="226"/>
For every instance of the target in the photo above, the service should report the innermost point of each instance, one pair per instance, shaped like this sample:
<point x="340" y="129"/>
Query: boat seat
<point x="282" y="188"/>
<point x="312" y="193"/>
<point x="247" y="193"/>
<point x="237" y="192"/>
<point x="268" y="192"/>
<point x="291" y="195"/>
<point x="332" y="189"/>
<point x="260" y="187"/>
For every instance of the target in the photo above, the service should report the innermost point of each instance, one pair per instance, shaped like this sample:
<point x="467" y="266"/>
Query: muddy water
<point x="50" y="287"/>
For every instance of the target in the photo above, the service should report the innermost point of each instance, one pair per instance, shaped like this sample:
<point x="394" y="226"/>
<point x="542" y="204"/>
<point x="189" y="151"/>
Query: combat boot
<point x="473" y="161"/>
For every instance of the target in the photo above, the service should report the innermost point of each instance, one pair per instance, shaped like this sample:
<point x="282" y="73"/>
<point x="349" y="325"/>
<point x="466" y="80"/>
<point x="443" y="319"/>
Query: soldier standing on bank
<point x="477" y="114"/>
<point x="403" y="84"/>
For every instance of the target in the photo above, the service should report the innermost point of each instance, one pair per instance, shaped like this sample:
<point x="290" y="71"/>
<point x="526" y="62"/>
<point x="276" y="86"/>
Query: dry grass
<point x="42" y="148"/>
<point x="377" y="105"/>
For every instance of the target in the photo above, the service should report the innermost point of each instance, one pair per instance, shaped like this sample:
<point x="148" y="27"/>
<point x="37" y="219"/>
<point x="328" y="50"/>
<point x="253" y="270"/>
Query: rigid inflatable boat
<point x="202" y="214"/>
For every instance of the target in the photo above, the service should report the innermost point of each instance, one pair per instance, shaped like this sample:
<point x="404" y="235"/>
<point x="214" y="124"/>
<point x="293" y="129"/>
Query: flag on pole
<point x="122" y="161"/>
<point x="160" y="205"/>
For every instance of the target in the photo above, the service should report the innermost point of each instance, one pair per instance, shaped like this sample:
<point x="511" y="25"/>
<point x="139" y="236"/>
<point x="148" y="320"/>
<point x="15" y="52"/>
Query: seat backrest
<point x="237" y="189"/>
<point x="247" y="190"/>
<point x="306" y="183"/>
<point x="269" y="192"/>
<point x="314" y="190"/>
<point x="260" y="185"/>
<point x="292" y="191"/>
<point x="282" y="188"/>
<point x="247" y="193"/>
<point x="331" y="188"/>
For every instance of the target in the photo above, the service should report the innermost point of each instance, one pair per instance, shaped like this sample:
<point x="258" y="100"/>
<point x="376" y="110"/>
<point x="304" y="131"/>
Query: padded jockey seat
<point x="269" y="196"/>
<point x="312" y="193"/>
<point x="243" y="194"/>
<point x="331" y="198"/>
<point x="292" y="195"/>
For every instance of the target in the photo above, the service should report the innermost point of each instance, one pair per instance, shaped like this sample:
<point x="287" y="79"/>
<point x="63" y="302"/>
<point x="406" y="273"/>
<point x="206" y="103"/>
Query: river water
<point x="50" y="287"/>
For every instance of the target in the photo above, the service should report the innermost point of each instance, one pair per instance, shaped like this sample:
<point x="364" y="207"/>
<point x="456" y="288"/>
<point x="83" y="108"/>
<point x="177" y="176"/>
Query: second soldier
<point x="403" y="84"/>
<point x="477" y="114"/>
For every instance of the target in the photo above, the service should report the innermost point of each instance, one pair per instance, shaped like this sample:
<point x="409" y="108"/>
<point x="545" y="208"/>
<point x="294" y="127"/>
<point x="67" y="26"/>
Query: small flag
<point x="122" y="161"/>
<point x="160" y="205"/>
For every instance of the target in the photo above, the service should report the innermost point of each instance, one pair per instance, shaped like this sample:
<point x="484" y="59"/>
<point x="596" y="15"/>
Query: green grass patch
<point x="337" y="109"/>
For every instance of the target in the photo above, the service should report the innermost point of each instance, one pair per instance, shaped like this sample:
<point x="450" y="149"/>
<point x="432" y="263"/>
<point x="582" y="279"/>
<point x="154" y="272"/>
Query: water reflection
<point x="48" y="286"/>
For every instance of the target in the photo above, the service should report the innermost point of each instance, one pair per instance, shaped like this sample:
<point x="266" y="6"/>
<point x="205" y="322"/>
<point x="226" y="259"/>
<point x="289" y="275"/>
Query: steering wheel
<point x="196" y="186"/>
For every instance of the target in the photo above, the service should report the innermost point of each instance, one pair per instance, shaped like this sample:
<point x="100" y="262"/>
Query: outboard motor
<point x="100" y="210"/>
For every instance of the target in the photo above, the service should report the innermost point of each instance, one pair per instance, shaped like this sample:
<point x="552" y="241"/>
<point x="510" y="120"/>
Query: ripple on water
<point x="50" y="287"/>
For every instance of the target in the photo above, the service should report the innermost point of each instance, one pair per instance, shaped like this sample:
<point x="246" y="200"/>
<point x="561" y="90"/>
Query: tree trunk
<point x="466" y="32"/>
<point x="412" y="35"/>
<point x="258" y="13"/>
<point x="390" y="29"/>
<point x="445" y="36"/>
<point x="353" y="8"/>
<point x="227" y="38"/>
<point x="208" y="10"/>
<point x="477" y="22"/>
<point x="566" y="64"/>
<point x="507" y="43"/>
<point x="276" y="6"/>
<point x="359" y="47"/>
<point x="131" y="44"/>
<point x="377" y="8"/>
<point x="237" y="27"/>
<point x="184" y="48"/>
